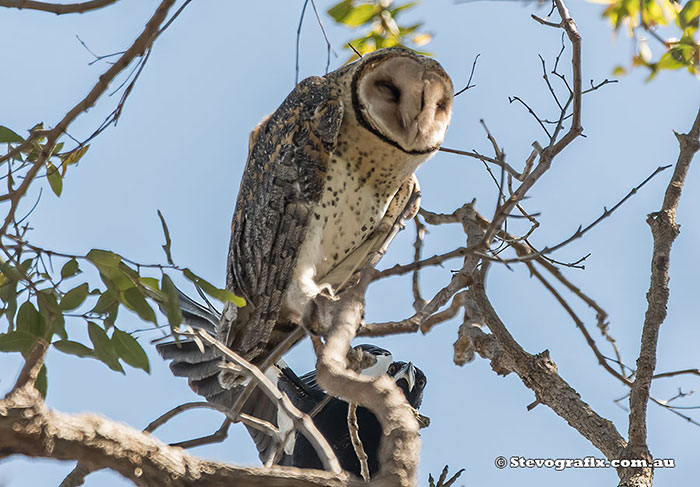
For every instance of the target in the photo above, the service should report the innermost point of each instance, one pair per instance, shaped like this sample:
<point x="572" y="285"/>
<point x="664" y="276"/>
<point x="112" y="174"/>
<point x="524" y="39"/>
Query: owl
<point x="328" y="173"/>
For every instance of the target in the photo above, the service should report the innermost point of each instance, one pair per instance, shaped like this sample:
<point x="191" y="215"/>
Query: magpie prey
<point x="330" y="413"/>
<point x="332" y="422"/>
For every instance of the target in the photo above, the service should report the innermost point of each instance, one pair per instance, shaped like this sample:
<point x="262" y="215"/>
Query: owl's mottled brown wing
<point x="282" y="181"/>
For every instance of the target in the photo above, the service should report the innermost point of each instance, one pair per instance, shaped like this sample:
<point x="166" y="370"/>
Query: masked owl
<point x="327" y="176"/>
<point x="333" y="161"/>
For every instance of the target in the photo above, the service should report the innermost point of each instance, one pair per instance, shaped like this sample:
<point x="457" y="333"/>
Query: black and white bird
<point x="202" y="370"/>
<point x="332" y="422"/>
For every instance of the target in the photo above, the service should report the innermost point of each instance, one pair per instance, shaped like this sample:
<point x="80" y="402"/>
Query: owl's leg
<point x="317" y="316"/>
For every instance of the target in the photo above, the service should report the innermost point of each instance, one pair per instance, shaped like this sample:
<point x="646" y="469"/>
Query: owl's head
<point x="404" y="98"/>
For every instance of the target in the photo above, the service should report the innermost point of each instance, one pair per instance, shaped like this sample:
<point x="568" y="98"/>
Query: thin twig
<point x="354" y="429"/>
<point x="469" y="81"/>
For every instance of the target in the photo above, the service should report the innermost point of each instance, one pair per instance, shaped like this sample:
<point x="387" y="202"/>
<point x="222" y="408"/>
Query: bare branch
<point x="399" y="269"/>
<point x="664" y="230"/>
<point x="676" y="372"/>
<point x="581" y="231"/>
<point x="447" y="314"/>
<point x="469" y="81"/>
<point x="539" y="373"/>
<point x="28" y="427"/>
<point x="32" y="366"/>
<point x="216" y="437"/>
<point x="354" y="429"/>
<point x="476" y="155"/>
<point x="57" y="8"/>
<point x="418" y="301"/>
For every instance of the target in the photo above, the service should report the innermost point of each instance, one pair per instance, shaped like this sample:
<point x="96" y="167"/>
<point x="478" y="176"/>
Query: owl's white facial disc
<point x="407" y="101"/>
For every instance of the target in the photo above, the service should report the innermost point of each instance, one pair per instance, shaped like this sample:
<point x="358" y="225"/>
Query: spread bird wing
<point x="283" y="179"/>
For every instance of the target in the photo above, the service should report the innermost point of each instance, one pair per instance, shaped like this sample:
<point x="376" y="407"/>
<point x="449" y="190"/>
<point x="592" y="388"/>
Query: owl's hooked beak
<point x="411" y="111"/>
<point x="410" y="132"/>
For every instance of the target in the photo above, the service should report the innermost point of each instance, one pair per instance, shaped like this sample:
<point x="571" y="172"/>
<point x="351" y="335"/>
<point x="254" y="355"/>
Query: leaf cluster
<point x="379" y="20"/>
<point x="680" y="46"/>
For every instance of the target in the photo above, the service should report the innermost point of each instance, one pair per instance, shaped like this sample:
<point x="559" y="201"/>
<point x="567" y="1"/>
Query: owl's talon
<point x="326" y="291"/>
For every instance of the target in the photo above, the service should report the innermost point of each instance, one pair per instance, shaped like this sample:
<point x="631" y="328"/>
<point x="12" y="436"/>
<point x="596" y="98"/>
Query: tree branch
<point x="57" y="8"/>
<point x="400" y="448"/>
<point x="28" y="427"/>
<point x="664" y="230"/>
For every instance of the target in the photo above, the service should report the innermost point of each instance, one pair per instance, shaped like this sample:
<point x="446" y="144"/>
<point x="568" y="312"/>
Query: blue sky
<point x="181" y="145"/>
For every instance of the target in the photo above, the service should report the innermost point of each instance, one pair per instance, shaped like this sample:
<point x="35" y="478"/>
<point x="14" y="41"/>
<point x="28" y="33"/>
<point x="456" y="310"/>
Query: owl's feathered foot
<point x="318" y="312"/>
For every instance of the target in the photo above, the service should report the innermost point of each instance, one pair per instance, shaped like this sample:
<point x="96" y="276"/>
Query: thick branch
<point x="400" y="448"/>
<point x="664" y="230"/>
<point x="539" y="373"/>
<point x="28" y="427"/>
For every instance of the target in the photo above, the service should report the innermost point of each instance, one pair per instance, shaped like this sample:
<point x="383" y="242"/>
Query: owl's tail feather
<point x="202" y="372"/>
<point x="187" y="360"/>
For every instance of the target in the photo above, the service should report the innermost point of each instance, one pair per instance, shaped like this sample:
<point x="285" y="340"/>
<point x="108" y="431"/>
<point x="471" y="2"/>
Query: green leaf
<point x="220" y="294"/>
<point x="8" y="291"/>
<point x="41" y="382"/>
<point x="171" y="304"/>
<point x="135" y="300"/>
<point x="29" y="320"/>
<point x="74" y="156"/>
<point x="16" y="341"/>
<point x="10" y="271"/>
<point x="50" y="310"/>
<point x="405" y="6"/>
<point x="55" y="178"/>
<point x="104" y="258"/>
<point x="105" y="303"/>
<point x="619" y="71"/>
<point x="130" y="350"/>
<point x="689" y="14"/>
<point x="73" y="348"/>
<point x="673" y="59"/>
<point x="9" y="136"/>
<point x="340" y="10"/>
<point x="150" y="282"/>
<point x="75" y="297"/>
<point x="119" y="276"/>
<point x="70" y="269"/>
<point x="359" y="15"/>
<point x="168" y="242"/>
<point x="104" y="348"/>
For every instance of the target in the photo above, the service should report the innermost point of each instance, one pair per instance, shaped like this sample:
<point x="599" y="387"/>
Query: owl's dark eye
<point x="421" y="383"/>
<point x="389" y="89"/>
<point x="441" y="105"/>
<point x="392" y="369"/>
